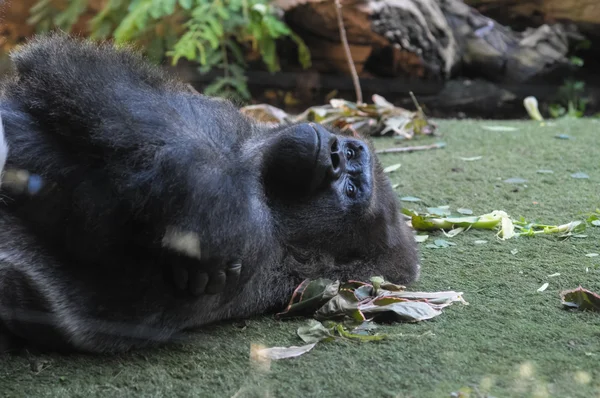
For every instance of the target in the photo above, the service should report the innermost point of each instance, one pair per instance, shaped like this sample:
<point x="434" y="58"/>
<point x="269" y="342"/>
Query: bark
<point x="583" y="13"/>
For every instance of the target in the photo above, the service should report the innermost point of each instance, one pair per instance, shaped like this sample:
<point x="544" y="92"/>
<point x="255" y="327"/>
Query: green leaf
<point x="314" y="332"/>
<point x="185" y="4"/>
<point x="309" y="296"/>
<point x="338" y="308"/>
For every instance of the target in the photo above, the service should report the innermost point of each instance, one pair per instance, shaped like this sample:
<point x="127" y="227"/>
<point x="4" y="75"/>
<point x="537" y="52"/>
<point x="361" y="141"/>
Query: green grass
<point x="509" y="341"/>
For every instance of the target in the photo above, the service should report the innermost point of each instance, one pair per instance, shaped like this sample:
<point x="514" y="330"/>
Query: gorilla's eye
<point x="349" y="153"/>
<point x="350" y="190"/>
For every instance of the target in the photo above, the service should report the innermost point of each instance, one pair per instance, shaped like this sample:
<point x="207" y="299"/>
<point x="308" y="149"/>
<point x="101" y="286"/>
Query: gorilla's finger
<point x="233" y="275"/>
<point x="180" y="277"/>
<point x="198" y="283"/>
<point x="217" y="283"/>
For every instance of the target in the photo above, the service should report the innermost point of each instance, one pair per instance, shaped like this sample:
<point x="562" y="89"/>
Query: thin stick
<point x="409" y="149"/>
<point x="355" y="79"/>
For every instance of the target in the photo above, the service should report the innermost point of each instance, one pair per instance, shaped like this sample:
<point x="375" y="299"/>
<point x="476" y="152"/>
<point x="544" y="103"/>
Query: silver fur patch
<point x="184" y="242"/>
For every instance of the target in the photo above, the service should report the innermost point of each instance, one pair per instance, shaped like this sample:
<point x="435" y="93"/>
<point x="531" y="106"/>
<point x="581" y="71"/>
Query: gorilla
<point x="163" y="210"/>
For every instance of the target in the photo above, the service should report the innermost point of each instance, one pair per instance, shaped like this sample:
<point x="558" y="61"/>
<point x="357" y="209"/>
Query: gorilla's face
<point x="307" y="160"/>
<point x="335" y="205"/>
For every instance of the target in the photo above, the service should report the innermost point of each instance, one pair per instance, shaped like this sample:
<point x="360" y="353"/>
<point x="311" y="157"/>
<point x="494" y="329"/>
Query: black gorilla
<point x="164" y="210"/>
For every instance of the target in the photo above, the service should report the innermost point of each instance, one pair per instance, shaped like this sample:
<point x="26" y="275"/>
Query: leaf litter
<point x="379" y="118"/>
<point x="352" y="310"/>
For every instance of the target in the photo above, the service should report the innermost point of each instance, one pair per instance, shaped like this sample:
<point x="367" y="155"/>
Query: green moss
<point x="510" y="340"/>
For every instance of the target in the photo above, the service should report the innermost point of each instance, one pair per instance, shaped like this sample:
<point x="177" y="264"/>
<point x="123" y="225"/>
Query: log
<point x="583" y="13"/>
<point x="432" y="39"/>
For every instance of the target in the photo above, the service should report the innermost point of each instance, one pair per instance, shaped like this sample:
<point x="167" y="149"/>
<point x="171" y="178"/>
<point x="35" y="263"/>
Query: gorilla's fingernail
<point x="198" y="283"/>
<point x="180" y="277"/>
<point x="217" y="283"/>
<point x="233" y="275"/>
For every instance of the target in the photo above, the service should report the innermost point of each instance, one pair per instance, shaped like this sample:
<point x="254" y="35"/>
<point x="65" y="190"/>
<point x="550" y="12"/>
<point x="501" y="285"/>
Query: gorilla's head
<point x="335" y="207"/>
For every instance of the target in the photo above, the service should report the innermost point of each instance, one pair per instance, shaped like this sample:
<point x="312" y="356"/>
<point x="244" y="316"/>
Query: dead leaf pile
<point x="379" y="118"/>
<point x="351" y="310"/>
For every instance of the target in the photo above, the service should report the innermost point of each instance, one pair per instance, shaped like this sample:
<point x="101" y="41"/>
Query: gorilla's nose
<point x="338" y="161"/>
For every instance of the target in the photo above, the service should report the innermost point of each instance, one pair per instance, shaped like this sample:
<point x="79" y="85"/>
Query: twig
<point x="409" y="149"/>
<point x="355" y="79"/>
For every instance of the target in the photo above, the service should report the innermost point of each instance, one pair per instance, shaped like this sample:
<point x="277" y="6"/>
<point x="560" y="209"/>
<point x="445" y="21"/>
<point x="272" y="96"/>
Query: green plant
<point x="214" y="33"/>
<point x="572" y="102"/>
<point x="571" y="95"/>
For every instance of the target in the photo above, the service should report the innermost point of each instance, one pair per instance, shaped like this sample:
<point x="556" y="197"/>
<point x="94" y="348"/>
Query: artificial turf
<point x="511" y="340"/>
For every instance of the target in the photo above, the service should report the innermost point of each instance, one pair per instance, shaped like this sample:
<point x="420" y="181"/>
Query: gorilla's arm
<point x="168" y="157"/>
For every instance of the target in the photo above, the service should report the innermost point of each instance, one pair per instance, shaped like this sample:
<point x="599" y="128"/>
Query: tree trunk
<point x="434" y="39"/>
<point x="584" y="13"/>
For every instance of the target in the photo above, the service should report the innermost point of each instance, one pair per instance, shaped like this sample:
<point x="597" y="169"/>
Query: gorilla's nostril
<point x="334" y="145"/>
<point x="335" y="161"/>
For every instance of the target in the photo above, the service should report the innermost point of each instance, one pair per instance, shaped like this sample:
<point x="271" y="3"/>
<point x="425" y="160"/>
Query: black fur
<point x="129" y="156"/>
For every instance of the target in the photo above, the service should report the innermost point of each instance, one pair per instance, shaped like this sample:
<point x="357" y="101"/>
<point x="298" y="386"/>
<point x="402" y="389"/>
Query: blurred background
<point x="472" y="58"/>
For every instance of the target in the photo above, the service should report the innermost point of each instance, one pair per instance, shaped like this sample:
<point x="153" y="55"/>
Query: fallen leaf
<point x="440" y="211"/>
<point x="592" y="255"/>
<point x="581" y="298"/>
<point x="499" y="128"/>
<point x="543" y="287"/>
<point x="465" y="211"/>
<point x="480" y="242"/>
<point x="308" y="295"/>
<point x="515" y="180"/>
<point x="403" y="311"/>
<point x="443" y="243"/>
<point x="314" y="332"/>
<point x="514" y="251"/>
<point x="471" y="159"/>
<point x="553" y="275"/>
<point x="410" y="199"/>
<point x="563" y="136"/>
<point x="580" y="175"/>
<point x="392" y="168"/>
<point x="596" y="223"/>
<point x="275" y="353"/>
<point x="453" y="232"/>
<point x="421" y="238"/>
<point x="395" y="186"/>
